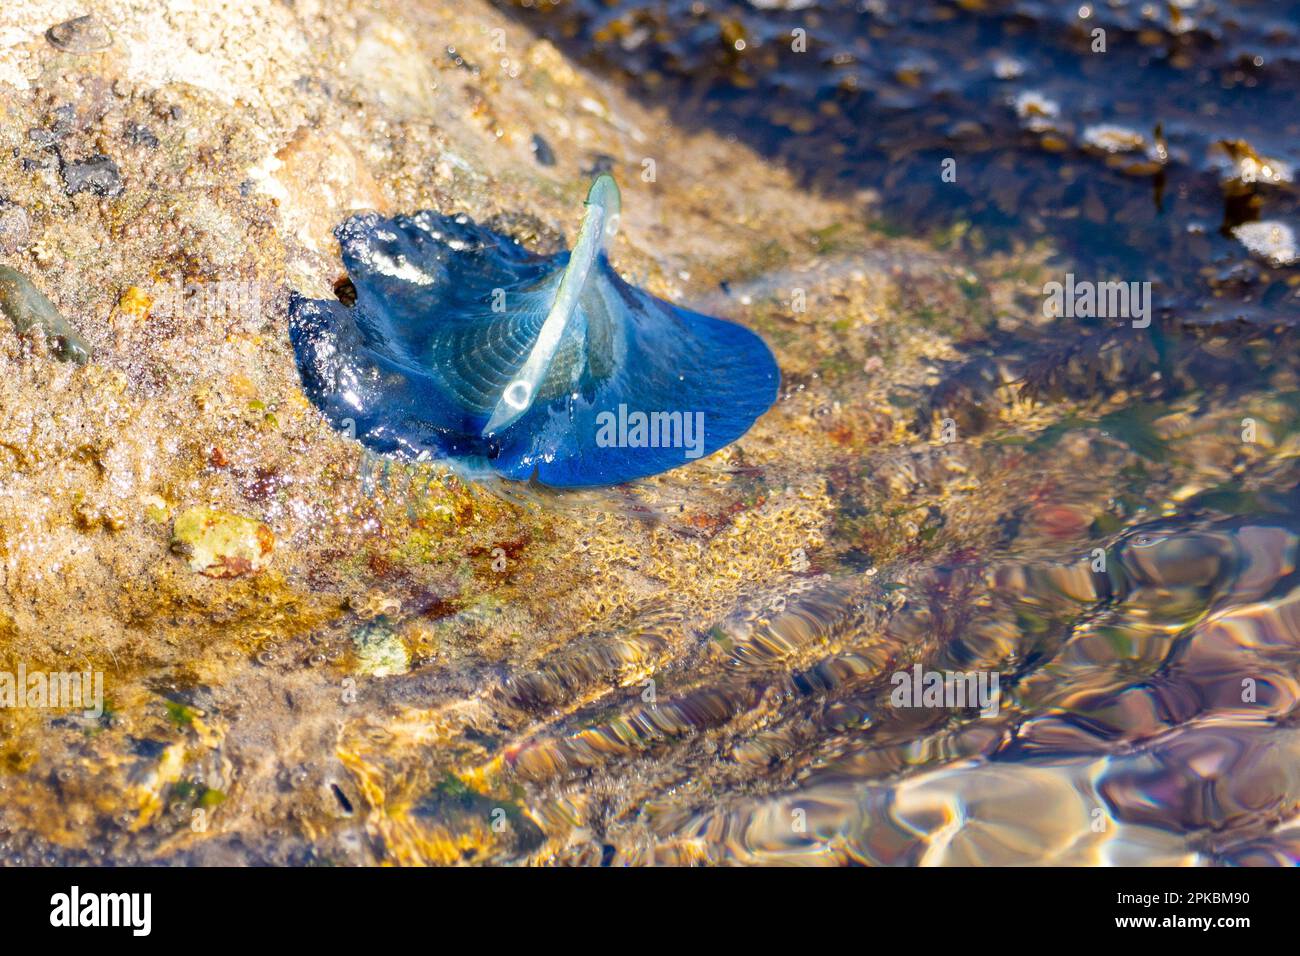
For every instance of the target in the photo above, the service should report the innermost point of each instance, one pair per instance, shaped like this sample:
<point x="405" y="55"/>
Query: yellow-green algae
<point x="220" y="544"/>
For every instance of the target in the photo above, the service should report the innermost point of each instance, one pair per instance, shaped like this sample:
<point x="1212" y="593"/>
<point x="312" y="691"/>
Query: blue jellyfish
<point x="463" y="346"/>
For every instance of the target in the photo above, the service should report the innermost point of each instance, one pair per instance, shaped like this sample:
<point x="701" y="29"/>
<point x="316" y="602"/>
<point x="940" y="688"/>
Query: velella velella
<point x="463" y="346"/>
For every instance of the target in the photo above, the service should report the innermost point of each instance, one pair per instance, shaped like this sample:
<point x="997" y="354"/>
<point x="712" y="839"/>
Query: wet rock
<point x="15" y="229"/>
<point x="220" y="544"/>
<point x="29" y="309"/>
<point x="59" y="125"/>
<point x="98" y="175"/>
<point x="43" y="138"/>
<point x="1239" y="163"/>
<point x="1271" y="240"/>
<point x="1106" y="138"/>
<point x="1037" y="113"/>
<point x="456" y="805"/>
<point x="80" y="35"/>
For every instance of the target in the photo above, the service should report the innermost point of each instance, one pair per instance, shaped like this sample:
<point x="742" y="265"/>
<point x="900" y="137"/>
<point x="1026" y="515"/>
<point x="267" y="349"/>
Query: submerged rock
<point x="220" y="544"/>
<point x="380" y="651"/>
<point x="1037" y="113"/>
<point x="1240" y="163"/>
<point x="1271" y="240"/>
<point x="1108" y="138"/>
<point x="28" y="308"/>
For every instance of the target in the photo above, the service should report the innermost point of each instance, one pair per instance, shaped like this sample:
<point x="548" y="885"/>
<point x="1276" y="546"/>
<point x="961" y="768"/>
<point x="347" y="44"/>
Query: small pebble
<point x="15" y="229"/>
<point x="98" y="175"/>
<point x="80" y="35"/>
<point x="42" y="137"/>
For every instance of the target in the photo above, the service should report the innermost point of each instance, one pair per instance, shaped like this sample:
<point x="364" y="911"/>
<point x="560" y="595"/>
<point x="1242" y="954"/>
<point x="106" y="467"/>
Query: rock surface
<point x="519" y="629"/>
